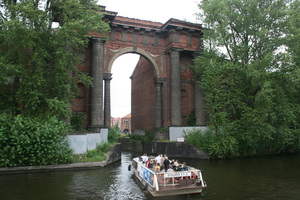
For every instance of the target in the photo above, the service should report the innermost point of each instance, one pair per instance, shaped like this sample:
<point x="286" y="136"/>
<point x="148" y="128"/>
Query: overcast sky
<point x="152" y="10"/>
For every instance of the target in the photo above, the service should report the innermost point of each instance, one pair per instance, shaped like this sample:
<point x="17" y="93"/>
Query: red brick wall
<point x="143" y="97"/>
<point x="187" y="87"/>
<point x="82" y="102"/>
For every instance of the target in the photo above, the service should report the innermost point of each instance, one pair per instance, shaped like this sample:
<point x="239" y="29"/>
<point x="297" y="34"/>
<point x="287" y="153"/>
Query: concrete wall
<point x="81" y="143"/>
<point x="175" y="132"/>
<point x="131" y="145"/>
<point x="114" y="154"/>
<point x="172" y="149"/>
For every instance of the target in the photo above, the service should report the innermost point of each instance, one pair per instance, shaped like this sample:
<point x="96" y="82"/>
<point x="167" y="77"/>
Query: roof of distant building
<point x="127" y="116"/>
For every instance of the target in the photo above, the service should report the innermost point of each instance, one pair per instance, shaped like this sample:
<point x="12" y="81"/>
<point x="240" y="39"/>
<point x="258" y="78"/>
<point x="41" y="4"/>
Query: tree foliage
<point x="30" y="141"/>
<point x="38" y="61"/>
<point x="40" y="43"/>
<point x="249" y="73"/>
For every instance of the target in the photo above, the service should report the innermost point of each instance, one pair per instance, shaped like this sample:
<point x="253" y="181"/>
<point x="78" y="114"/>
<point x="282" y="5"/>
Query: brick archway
<point x="139" y="51"/>
<point x="168" y="48"/>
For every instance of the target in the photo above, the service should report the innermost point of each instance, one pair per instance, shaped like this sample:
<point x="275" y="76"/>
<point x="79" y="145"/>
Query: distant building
<point x="114" y="121"/>
<point x="125" y="125"/>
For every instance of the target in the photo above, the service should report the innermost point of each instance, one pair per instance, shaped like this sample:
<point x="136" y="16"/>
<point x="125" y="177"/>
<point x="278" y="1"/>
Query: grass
<point x="95" y="155"/>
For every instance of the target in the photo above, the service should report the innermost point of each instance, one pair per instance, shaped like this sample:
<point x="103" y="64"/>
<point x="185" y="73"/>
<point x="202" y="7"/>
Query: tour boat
<point x="168" y="183"/>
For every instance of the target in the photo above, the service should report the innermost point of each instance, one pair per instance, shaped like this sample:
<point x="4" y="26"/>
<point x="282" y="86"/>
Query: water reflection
<point x="252" y="178"/>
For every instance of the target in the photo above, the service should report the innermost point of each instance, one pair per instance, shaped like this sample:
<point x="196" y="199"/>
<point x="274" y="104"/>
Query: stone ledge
<point x="22" y="169"/>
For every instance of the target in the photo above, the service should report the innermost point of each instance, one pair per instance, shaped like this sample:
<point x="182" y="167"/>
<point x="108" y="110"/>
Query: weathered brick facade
<point x="163" y="88"/>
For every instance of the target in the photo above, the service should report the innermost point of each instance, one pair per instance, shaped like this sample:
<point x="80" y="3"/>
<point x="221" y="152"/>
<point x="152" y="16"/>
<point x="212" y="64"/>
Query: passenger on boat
<point x="158" y="159"/>
<point x="144" y="157"/>
<point x="156" y="168"/>
<point x="148" y="163"/>
<point x="170" y="169"/>
<point x="176" y="166"/>
<point x="184" y="167"/>
<point x="162" y="160"/>
<point x="172" y="162"/>
<point x="166" y="163"/>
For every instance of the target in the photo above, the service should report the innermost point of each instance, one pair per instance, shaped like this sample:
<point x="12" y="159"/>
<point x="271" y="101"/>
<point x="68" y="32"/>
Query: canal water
<point x="262" y="178"/>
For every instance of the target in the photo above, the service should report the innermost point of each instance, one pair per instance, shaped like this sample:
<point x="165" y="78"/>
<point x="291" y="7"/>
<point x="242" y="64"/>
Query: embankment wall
<point x="172" y="149"/>
<point x="113" y="155"/>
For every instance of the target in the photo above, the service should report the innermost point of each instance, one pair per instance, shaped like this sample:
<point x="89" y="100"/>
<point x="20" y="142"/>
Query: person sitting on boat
<point x="172" y="162"/>
<point x="176" y="166"/>
<point x="170" y="169"/>
<point x="148" y="163"/>
<point x="184" y="167"/>
<point x="156" y="168"/>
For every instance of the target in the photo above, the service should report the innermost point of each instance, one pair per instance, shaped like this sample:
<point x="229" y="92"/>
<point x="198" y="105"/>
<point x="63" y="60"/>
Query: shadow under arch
<point x="137" y="51"/>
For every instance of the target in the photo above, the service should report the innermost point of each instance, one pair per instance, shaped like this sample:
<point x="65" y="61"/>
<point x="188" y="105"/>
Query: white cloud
<point x="154" y="10"/>
<point x="121" y="84"/>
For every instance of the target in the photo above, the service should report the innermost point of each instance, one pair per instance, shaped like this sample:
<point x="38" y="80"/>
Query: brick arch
<point x="139" y="51"/>
<point x="168" y="48"/>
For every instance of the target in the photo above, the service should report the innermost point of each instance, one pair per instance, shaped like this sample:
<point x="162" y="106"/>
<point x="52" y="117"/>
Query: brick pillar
<point x="158" y="106"/>
<point x="199" y="101"/>
<point x="176" y="118"/>
<point x="97" y="87"/>
<point x="107" y="78"/>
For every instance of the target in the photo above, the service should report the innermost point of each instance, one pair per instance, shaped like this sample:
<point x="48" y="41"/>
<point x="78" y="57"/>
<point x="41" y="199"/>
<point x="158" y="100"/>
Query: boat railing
<point x="177" y="177"/>
<point x="156" y="179"/>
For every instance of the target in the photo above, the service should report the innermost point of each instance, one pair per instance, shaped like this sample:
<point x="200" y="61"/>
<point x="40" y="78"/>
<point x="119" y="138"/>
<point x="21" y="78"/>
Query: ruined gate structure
<point x="164" y="91"/>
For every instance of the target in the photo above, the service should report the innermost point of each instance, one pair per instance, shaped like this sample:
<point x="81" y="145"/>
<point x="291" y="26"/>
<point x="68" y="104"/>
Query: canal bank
<point x="113" y="155"/>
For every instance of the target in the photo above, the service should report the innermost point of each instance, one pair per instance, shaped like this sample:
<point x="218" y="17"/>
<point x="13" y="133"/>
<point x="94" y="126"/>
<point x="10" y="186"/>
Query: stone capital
<point x="99" y="40"/>
<point x="174" y="50"/>
<point x="159" y="80"/>
<point x="107" y="76"/>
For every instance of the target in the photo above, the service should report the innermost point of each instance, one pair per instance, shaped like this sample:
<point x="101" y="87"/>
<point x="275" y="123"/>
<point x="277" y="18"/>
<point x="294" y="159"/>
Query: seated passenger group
<point x="162" y="163"/>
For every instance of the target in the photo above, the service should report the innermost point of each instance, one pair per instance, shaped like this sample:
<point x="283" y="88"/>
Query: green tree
<point x="40" y="43"/>
<point x="38" y="61"/>
<point x="249" y="85"/>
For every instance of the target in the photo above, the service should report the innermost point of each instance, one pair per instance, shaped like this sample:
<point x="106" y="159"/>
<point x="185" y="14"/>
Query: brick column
<point x="158" y="105"/>
<point x="175" y="101"/>
<point x="107" y="78"/>
<point x="97" y="87"/>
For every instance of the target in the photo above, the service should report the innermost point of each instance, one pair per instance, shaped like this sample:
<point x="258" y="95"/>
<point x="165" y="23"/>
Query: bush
<point x="191" y="120"/>
<point x="94" y="155"/>
<point x="25" y="141"/>
<point x="113" y="134"/>
<point x="215" y="145"/>
<point x="148" y="137"/>
<point x="77" y="121"/>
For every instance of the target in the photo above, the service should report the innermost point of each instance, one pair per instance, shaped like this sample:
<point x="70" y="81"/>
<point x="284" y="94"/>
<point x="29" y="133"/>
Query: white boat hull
<point x="168" y="184"/>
